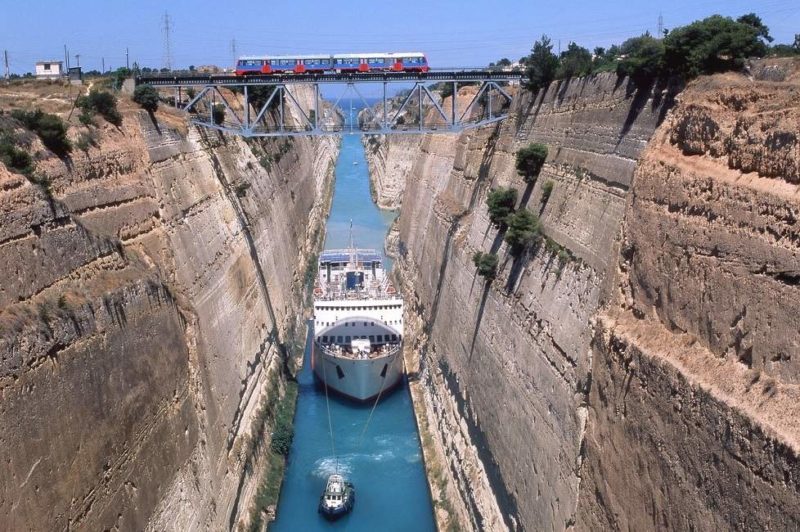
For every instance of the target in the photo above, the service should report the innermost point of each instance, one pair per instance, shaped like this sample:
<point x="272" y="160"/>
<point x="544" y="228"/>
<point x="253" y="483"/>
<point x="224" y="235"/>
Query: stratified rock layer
<point x="149" y="292"/>
<point x="505" y="365"/>
<point x="637" y="375"/>
<point x="694" y="406"/>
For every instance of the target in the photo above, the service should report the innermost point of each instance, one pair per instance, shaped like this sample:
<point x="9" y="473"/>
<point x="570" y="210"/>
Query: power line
<point x="167" y="52"/>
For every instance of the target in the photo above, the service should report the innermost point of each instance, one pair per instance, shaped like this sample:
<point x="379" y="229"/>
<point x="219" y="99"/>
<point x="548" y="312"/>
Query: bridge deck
<point x="361" y="77"/>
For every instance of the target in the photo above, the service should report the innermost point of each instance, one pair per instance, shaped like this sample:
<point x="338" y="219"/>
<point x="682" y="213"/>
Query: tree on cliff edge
<point x="147" y="97"/>
<point x="541" y="65"/>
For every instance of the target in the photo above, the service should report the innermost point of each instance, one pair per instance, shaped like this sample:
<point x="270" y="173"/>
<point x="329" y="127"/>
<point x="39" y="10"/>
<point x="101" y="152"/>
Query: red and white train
<point x="302" y="64"/>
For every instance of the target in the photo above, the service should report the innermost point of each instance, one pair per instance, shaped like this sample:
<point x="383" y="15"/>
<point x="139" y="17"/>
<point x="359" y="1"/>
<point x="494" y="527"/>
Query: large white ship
<point x="358" y="325"/>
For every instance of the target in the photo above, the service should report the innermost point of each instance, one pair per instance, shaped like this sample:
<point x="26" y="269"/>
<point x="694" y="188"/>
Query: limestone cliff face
<point x="504" y="367"/>
<point x="694" y="402"/>
<point x="149" y="295"/>
<point x="390" y="160"/>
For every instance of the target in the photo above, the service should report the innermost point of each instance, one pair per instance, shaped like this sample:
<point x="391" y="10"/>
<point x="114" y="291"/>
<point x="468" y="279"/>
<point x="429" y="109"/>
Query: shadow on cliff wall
<point x="662" y="92"/>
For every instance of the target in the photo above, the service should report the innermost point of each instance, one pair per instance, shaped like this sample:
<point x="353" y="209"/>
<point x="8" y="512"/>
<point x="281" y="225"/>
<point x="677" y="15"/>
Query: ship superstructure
<point x="358" y="324"/>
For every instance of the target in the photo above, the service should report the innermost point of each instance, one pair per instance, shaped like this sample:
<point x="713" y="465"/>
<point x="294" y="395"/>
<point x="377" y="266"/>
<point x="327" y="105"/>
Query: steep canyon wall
<point x="151" y="290"/>
<point x="505" y="366"/>
<point x="694" y="401"/>
<point x="636" y="371"/>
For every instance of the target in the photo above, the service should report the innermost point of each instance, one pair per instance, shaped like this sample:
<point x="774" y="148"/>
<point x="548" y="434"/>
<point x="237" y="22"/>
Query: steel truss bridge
<point x="268" y="106"/>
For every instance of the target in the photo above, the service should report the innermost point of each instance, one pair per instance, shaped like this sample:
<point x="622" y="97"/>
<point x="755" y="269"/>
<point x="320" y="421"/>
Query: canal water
<point x="386" y="464"/>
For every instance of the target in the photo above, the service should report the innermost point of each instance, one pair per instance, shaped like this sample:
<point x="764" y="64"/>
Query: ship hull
<point x="359" y="380"/>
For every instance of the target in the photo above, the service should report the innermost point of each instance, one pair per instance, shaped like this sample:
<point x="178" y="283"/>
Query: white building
<point x="49" y="69"/>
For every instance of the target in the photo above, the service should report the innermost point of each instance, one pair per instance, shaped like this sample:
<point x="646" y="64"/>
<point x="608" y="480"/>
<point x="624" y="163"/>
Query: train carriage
<point x="304" y="64"/>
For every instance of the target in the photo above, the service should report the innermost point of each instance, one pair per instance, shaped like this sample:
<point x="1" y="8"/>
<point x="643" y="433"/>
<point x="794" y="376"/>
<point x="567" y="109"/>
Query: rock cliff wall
<point x="504" y="366"/>
<point x="694" y="401"/>
<point x="637" y="371"/>
<point x="152" y="284"/>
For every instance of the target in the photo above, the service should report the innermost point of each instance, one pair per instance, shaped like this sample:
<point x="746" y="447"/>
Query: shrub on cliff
<point x="500" y="203"/>
<point x="523" y="230"/>
<point x="643" y="59"/>
<point x="147" y="97"/>
<point x="714" y="44"/>
<point x="541" y="66"/>
<point x="547" y="189"/>
<point x="50" y="129"/>
<point x="218" y="113"/>
<point x="12" y="157"/>
<point x="486" y="264"/>
<point x="575" y="61"/>
<point x="101" y="102"/>
<point x="530" y="161"/>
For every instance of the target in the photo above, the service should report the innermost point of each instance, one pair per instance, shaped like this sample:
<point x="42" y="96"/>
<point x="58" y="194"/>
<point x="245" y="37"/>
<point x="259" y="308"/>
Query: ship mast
<point x="352" y="247"/>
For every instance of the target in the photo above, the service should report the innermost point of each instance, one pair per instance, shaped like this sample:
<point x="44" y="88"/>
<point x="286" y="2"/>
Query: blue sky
<point x="451" y="32"/>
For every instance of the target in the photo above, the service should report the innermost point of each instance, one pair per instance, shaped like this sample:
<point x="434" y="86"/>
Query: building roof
<point x="49" y="62"/>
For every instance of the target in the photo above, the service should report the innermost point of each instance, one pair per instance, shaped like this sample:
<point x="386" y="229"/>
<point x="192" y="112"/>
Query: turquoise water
<point x="386" y="464"/>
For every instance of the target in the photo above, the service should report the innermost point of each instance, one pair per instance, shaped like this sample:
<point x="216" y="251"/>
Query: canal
<point x="386" y="464"/>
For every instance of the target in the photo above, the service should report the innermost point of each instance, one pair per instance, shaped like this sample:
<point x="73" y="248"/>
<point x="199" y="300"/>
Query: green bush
<point x="12" y="157"/>
<point x="575" y="61"/>
<point x="147" y="97"/>
<point x="50" y="129"/>
<point x="500" y="203"/>
<point x="86" y="118"/>
<point x="547" y="189"/>
<point x="101" y="102"/>
<point x="218" y="113"/>
<point x="486" y="264"/>
<point x="523" y="230"/>
<point x="644" y="59"/>
<point x="714" y="44"/>
<point x="541" y="66"/>
<point x="530" y="161"/>
<point x="283" y="431"/>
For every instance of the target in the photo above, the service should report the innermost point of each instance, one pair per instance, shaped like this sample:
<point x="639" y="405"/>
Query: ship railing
<point x="338" y="351"/>
<point x="355" y="295"/>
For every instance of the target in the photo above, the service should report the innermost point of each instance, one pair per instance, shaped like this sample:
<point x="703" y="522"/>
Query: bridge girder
<point x="382" y="122"/>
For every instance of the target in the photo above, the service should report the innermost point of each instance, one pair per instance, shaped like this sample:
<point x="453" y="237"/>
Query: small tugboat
<point x="338" y="498"/>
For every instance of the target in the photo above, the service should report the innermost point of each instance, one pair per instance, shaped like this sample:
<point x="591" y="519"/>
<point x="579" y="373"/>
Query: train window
<point x="375" y="60"/>
<point x="324" y="339"/>
<point x="338" y="339"/>
<point x="394" y="338"/>
<point x="347" y="339"/>
<point x="372" y="338"/>
<point x="365" y="324"/>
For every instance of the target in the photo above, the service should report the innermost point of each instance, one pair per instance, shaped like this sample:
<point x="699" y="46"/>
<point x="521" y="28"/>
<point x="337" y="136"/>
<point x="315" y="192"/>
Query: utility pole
<point x="103" y="62"/>
<point x="78" y="59"/>
<point x="5" y="55"/>
<point x="127" y="59"/>
<point x="233" y="50"/>
<point x="660" y="25"/>
<point x="167" y="52"/>
<point x="66" y="57"/>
